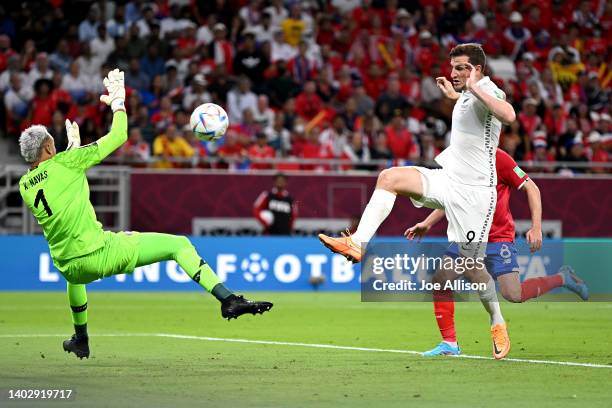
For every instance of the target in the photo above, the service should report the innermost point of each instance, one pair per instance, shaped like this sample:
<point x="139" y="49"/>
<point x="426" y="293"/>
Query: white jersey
<point x="470" y="157"/>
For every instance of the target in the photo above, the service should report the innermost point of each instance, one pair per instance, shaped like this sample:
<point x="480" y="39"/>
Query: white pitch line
<point x="312" y="345"/>
<point x="376" y="350"/>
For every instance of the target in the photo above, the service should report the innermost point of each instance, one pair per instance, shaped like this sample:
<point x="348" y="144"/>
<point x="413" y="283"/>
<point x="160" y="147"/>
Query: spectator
<point x="264" y="31"/>
<point x="380" y="149"/>
<point x="88" y="27"/>
<point x="17" y="98"/>
<point x="231" y="149"/>
<point x="165" y="115"/>
<point x="88" y="65"/>
<point x="102" y="45"/>
<point x="528" y="117"/>
<point x="41" y="69"/>
<point x="391" y="101"/>
<point x="145" y="24"/>
<point x="335" y="139"/>
<point x="119" y="57"/>
<point x="136" y="45"/>
<point x="58" y="131"/>
<point x="263" y="115"/>
<point x="74" y="82"/>
<point x="597" y="153"/>
<point x="196" y="93"/>
<point x="400" y="140"/>
<point x="221" y="49"/>
<point x="43" y="105"/>
<point x="170" y="147"/>
<point x="293" y="26"/>
<point x="280" y="50"/>
<point x="540" y="154"/>
<point x="61" y="58"/>
<point x="308" y="103"/>
<point x="260" y="150"/>
<point x="576" y="154"/>
<point x="135" y="150"/>
<point x="151" y="63"/>
<point x="240" y="98"/>
<point x="277" y="11"/>
<point x="280" y="86"/>
<point x="251" y="61"/>
<point x="133" y="11"/>
<point x="517" y="36"/>
<point x="13" y="67"/>
<point x="135" y="78"/>
<point x="301" y="67"/>
<point x="278" y="137"/>
<point x="118" y="25"/>
<point x="358" y="151"/>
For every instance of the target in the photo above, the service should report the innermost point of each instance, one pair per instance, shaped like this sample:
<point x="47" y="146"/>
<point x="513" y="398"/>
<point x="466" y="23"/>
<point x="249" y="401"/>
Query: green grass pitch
<point x="165" y="371"/>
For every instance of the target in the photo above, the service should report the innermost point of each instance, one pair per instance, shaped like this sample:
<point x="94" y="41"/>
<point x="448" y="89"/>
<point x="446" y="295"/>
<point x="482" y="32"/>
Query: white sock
<point x="450" y="343"/>
<point x="376" y="211"/>
<point x="488" y="297"/>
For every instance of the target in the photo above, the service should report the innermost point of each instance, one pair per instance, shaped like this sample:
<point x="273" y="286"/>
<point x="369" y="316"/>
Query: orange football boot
<point x="501" y="341"/>
<point x="343" y="245"/>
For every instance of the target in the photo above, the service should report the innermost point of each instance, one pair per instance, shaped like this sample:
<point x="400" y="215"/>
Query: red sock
<point x="444" y="310"/>
<point x="535" y="287"/>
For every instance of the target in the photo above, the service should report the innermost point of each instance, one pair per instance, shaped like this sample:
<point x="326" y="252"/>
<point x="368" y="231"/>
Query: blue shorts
<point x="501" y="258"/>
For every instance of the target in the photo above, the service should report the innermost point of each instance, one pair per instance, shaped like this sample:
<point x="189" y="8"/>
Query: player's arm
<point x="419" y="230"/>
<point x="117" y="136"/>
<point x="534" y="198"/>
<point x="497" y="104"/>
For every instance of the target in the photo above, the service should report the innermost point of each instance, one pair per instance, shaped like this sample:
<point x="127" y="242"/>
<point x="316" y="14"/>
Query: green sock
<point x="77" y="297"/>
<point x="197" y="268"/>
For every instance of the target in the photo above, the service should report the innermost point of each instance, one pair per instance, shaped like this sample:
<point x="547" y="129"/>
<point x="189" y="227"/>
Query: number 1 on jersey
<point x="40" y="196"/>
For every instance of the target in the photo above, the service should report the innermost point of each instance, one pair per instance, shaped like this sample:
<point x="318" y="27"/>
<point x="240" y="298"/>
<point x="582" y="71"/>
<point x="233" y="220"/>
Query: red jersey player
<point x="501" y="260"/>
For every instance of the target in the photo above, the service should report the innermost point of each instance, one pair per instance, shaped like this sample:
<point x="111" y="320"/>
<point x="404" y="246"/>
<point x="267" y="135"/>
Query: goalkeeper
<point x="56" y="191"/>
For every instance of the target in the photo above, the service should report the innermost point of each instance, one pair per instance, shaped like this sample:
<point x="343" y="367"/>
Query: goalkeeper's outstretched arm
<point x="117" y="136"/>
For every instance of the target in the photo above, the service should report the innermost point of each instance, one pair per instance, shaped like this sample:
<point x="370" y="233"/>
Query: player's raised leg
<point x="154" y="247"/>
<point x="79" y="342"/>
<point x="391" y="182"/>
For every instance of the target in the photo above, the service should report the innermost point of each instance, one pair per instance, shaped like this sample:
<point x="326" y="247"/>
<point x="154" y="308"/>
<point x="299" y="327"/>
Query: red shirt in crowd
<point x="400" y="143"/>
<point x="261" y="152"/>
<point x="307" y="106"/>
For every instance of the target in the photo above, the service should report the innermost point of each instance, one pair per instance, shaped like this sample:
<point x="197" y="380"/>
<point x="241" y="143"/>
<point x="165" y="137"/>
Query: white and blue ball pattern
<point x="209" y="122"/>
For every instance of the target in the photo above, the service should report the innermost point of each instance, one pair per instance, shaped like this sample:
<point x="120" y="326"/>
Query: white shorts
<point x="469" y="209"/>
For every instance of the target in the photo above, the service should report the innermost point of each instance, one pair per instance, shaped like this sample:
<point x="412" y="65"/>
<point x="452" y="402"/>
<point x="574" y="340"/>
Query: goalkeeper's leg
<point x="79" y="342"/>
<point x="154" y="247"/>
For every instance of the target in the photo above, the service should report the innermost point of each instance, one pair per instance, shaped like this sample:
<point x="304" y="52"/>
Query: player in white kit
<point x="464" y="187"/>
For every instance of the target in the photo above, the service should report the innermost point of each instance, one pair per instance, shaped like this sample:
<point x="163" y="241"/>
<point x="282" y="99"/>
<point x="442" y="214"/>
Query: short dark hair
<point x="474" y="52"/>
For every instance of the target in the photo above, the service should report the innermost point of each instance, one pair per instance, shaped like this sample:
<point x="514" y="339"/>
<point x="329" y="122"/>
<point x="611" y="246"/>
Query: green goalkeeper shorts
<point x="118" y="255"/>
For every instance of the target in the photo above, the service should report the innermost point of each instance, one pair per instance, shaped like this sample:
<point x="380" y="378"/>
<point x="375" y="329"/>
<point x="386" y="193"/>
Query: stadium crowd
<point x="340" y="79"/>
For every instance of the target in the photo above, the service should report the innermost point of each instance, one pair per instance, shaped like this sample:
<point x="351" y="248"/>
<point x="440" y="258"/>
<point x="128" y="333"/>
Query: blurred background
<point x="321" y="96"/>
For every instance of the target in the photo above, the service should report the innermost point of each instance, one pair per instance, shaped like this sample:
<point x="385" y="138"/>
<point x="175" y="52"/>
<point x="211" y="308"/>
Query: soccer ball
<point x="209" y="122"/>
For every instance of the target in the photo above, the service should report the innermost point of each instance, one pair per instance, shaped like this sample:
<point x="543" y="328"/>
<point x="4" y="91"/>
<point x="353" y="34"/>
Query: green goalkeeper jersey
<point x="57" y="193"/>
